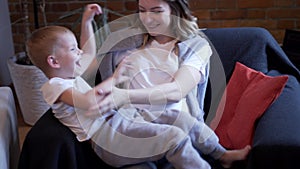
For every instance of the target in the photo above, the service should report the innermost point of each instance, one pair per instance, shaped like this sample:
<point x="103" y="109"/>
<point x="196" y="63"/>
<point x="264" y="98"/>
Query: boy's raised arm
<point x="87" y="39"/>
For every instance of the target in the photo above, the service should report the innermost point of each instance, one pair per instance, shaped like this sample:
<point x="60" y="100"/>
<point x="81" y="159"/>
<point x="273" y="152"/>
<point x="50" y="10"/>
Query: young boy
<point x="120" y="137"/>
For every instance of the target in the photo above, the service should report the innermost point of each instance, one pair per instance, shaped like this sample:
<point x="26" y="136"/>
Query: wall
<point x="6" y="43"/>
<point x="274" y="15"/>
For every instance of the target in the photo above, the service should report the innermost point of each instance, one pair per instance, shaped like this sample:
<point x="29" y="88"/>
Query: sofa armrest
<point x="9" y="142"/>
<point x="276" y="142"/>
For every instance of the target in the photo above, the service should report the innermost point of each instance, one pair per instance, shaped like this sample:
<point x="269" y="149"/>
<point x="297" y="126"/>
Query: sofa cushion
<point x="248" y="94"/>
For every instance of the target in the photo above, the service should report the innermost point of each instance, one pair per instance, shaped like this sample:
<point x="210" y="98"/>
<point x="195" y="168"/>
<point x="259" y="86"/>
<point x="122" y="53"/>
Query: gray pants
<point x="132" y="136"/>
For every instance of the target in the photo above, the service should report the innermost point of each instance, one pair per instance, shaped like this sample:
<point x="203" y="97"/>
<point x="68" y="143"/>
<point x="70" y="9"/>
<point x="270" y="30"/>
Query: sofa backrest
<point x="252" y="46"/>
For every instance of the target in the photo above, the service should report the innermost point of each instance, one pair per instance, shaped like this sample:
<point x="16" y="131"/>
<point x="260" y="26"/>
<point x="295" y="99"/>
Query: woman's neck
<point x="162" y="39"/>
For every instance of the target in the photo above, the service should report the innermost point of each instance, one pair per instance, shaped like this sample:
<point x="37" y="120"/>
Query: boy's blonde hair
<point x="43" y="43"/>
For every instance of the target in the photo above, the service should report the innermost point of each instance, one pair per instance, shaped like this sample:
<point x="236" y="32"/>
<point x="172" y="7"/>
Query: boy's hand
<point x="102" y="91"/>
<point x="105" y="87"/>
<point x="109" y="96"/>
<point x="90" y="11"/>
<point x="120" y="74"/>
<point x="114" y="99"/>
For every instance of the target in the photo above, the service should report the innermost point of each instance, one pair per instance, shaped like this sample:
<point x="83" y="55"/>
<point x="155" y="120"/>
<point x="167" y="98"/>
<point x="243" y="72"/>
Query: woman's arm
<point x="185" y="79"/>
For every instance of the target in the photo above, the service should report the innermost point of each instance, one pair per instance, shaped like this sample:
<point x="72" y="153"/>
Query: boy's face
<point x="68" y="55"/>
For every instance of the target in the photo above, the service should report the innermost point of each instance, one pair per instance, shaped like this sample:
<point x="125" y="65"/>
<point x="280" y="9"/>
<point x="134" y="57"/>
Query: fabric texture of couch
<point x="9" y="137"/>
<point x="276" y="142"/>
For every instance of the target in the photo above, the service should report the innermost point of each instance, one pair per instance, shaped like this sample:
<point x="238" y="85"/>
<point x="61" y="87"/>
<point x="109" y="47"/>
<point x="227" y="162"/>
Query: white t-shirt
<point x="156" y="64"/>
<point x="83" y="125"/>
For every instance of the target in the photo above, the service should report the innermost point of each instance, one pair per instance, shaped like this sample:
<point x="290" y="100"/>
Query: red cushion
<point x="248" y="94"/>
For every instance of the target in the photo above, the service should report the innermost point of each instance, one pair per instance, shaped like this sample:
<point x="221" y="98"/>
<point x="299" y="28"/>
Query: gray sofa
<point x="276" y="142"/>
<point x="9" y="137"/>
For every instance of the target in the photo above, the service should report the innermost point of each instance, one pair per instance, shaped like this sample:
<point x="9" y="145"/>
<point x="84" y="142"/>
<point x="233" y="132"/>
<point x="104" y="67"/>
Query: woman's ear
<point x="53" y="62"/>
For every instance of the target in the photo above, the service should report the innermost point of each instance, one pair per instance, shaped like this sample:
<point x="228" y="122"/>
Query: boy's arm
<point x="87" y="38"/>
<point x="95" y="95"/>
<point x="81" y="100"/>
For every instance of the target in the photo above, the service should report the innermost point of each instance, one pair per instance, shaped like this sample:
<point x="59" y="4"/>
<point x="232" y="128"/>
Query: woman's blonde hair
<point x="184" y="23"/>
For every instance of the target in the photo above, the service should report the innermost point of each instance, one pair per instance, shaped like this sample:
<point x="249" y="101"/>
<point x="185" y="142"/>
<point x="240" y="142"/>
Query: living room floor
<point x="23" y="128"/>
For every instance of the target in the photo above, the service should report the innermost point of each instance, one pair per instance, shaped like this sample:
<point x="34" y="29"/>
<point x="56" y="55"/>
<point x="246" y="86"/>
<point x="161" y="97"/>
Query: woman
<point x="166" y="68"/>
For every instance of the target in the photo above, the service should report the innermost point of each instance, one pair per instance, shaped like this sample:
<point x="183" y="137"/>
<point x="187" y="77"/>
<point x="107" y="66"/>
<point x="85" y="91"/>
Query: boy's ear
<point x="53" y="62"/>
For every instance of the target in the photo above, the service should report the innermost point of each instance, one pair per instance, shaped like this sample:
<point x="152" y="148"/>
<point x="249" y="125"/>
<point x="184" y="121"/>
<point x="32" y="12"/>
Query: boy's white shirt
<point x="82" y="124"/>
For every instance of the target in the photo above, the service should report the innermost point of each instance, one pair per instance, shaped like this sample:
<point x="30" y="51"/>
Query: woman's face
<point x="155" y="16"/>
